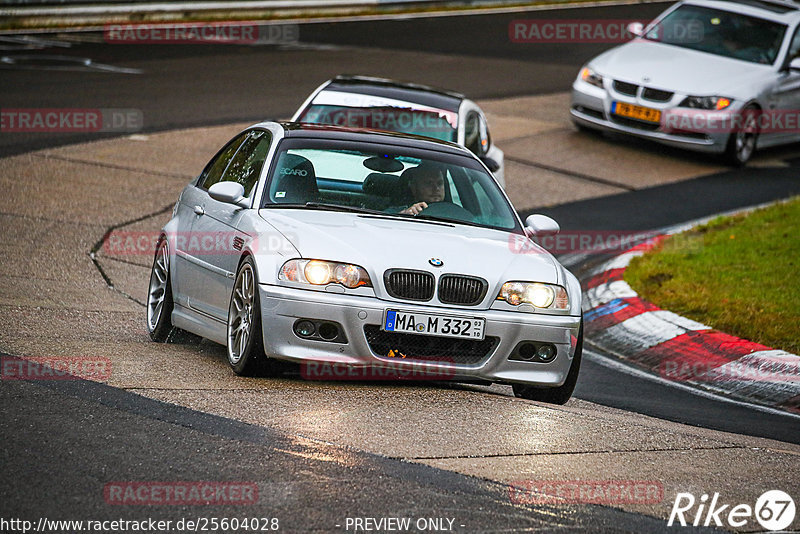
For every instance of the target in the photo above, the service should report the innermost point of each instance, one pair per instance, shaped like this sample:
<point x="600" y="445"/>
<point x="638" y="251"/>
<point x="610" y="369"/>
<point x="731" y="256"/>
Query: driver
<point x="426" y="183"/>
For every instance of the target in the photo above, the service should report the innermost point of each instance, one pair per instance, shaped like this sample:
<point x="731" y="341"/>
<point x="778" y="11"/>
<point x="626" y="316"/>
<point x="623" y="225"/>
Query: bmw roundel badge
<point x="436" y="262"/>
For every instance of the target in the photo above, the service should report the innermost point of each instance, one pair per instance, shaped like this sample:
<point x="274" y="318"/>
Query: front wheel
<point x="742" y="142"/>
<point x="159" y="295"/>
<point x="563" y="393"/>
<point x="244" y="337"/>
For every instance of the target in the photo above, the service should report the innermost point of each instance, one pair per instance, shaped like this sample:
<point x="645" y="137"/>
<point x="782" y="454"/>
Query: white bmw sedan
<point x="712" y="76"/>
<point x="333" y="246"/>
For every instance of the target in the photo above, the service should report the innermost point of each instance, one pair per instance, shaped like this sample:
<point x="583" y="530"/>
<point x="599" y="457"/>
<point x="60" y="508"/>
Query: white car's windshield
<point x="720" y="32"/>
<point x="386" y="179"/>
<point x="437" y="124"/>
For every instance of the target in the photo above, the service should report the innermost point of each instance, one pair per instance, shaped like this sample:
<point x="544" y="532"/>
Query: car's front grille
<point x="633" y="123"/>
<point x="625" y="88"/>
<point x="409" y="285"/>
<point x="461" y="289"/>
<point x="428" y="348"/>
<point x="657" y="95"/>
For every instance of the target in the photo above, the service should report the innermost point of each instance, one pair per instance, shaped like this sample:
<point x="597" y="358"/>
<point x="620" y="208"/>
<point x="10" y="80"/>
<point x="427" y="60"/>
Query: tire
<point x="159" y="295"/>
<point x="245" y="344"/>
<point x="742" y="142"/>
<point x="561" y="394"/>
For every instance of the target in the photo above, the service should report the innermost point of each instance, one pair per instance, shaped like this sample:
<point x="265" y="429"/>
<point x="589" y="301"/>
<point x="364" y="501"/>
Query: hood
<point x="379" y="243"/>
<point x="681" y="70"/>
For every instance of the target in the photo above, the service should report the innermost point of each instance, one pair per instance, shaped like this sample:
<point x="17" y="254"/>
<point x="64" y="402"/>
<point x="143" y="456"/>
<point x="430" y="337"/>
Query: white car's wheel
<point x="159" y="295"/>
<point x="742" y="142"/>
<point x="245" y="344"/>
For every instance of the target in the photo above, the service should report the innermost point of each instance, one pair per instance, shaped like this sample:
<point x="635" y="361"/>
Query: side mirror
<point x="540" y="225"/>
<point x="795" y="64"/>
<point x="229" y="193"/>
<point x="491" y="164"/>
<point x="635" y="28"/>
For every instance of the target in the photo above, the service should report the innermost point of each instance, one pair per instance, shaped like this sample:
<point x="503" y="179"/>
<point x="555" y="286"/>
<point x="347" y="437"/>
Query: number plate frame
<point x="434" y="324"/>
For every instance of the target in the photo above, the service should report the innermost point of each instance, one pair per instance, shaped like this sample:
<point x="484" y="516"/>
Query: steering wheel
<point x="448" y="210"/>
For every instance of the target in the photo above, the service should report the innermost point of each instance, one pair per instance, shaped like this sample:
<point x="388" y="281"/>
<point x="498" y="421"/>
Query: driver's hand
<point x="415" y="209"/>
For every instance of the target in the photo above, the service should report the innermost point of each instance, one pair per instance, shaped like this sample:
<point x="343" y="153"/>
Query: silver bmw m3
<point x="326" y="245"/>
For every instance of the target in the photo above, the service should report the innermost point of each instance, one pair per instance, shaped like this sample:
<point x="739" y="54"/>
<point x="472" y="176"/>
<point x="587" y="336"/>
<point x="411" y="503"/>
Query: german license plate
<point x="636" y="112"/>
<point x="434" y="325"/>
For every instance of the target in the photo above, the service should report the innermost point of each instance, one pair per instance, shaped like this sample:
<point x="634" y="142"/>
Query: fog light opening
<point x="546" y="353"/>
<point x="527" y="351"/>
<point x="305" y="328"/>
<point x="328" y="331"/>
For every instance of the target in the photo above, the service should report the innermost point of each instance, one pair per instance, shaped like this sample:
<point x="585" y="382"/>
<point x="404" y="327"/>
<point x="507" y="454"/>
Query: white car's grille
<point x="460" y="289"/>
<point x="409" y="285"/>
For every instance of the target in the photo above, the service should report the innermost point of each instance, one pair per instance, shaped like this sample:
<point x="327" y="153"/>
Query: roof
<point x="325" y="131"/>
<point x="408" y="92"/>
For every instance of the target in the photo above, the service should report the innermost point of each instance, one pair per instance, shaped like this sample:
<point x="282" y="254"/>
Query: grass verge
<point x="737" y="274"/>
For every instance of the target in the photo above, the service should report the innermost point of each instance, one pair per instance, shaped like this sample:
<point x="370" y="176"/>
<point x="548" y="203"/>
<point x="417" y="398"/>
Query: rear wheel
<point x="244" y="337"/>
<point x="159" y="295"/>
<point x="561" y="394"/>
<point x="742" y="142"/>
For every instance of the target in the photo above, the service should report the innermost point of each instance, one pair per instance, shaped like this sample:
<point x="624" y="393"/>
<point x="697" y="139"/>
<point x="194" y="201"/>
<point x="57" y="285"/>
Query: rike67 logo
<point x="773" y="510"/>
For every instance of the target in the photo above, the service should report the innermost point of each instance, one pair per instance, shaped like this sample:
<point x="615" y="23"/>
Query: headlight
<point x="706" y="102"/>
<point x="591" y="77"/>
<point x="540" y="295"/>
<point x="320" y="273"/>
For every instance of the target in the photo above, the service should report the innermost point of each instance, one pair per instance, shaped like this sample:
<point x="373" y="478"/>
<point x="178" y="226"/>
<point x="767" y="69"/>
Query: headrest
<point x="295" y="180"/>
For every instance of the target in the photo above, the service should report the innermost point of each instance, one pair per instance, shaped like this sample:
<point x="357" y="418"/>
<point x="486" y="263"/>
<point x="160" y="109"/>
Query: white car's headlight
<point x="321" y="273"/>
<point x="706" y="102"/>
<point x="591" y="77"/>
<point x="548" y="296"/>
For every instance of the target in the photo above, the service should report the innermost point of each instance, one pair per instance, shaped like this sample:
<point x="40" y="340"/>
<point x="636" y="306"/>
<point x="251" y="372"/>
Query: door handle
<point x="199" y="210"/>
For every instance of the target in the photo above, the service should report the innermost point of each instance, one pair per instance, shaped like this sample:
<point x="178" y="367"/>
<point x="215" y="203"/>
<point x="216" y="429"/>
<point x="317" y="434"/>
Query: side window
<point x="213" y="171"/>
<point x="472" y="133"/>
<point x="794" y="47"/>
<point x="245" y="167"/>
<point x="476" y="134"/>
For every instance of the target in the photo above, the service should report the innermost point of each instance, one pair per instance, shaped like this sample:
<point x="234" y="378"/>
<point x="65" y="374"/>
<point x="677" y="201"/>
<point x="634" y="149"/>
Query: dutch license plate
<point x="636" y="112"/>
<point x="434" y="325"/>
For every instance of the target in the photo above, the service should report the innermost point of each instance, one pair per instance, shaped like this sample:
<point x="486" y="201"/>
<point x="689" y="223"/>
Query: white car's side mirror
<point x="540" y="225"/>
<point x="794" y="64"/>
<point x="636" y="29"/>
<point x="229" y="192"/>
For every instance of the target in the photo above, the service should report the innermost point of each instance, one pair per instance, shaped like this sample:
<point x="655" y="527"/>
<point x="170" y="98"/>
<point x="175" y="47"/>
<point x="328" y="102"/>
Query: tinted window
<point x="720" y="32"/>
<point x="213" y="171"/>
<point x="245" y="167"/>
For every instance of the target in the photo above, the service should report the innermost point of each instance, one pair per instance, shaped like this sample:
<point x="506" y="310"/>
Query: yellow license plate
<point x="636" y="112"/>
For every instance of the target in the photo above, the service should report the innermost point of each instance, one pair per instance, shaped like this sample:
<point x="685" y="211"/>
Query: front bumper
<point x="281" y="307"/>
<point x="591" y="107"/>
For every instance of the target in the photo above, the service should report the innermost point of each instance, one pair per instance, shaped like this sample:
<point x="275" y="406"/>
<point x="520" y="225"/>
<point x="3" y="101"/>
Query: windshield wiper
<point x="339" y="207"/>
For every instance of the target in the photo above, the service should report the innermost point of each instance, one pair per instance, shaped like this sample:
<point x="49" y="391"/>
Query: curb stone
<point x="623" y="324"/>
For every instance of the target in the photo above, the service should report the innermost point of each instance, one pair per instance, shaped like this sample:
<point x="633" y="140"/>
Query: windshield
<point x="720" y="32"/>
<point x="387" y="180"/>
<point x="428" y="123"/>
